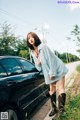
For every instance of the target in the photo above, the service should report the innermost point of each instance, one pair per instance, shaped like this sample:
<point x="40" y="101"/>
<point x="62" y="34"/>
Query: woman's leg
<point x="52" y="88"/>
<point x="61" y="86"/>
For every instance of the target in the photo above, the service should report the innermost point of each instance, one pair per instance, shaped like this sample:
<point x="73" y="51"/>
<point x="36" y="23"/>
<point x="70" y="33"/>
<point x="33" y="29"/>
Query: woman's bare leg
<point x="52" y="88"/>
<point x="61" y="86"/>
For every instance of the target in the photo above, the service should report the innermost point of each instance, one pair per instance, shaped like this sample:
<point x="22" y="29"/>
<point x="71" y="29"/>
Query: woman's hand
<point x="36" y="52"/>
<point x="38" y="60"/>
<point x="51" y="77"/>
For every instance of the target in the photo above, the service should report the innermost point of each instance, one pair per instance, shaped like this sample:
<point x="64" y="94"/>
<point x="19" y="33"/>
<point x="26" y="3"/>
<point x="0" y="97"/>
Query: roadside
<point x="73" y="101"/>
<point x="42" y="113"/>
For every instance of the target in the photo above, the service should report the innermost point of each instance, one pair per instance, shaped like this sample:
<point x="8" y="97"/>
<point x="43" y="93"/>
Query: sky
<point x="52" y="19"/>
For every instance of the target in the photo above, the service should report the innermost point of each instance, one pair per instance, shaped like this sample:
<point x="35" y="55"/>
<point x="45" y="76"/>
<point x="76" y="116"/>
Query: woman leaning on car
<point x="53" y="69"/>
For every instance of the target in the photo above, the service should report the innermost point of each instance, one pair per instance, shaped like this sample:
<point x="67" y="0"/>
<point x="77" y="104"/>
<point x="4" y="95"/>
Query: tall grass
<point x="72" y="106"/>
<point x="72" y="109"/>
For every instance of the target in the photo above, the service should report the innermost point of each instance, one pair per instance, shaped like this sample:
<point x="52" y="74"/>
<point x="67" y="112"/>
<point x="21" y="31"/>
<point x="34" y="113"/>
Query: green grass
<point x="78" y="68"/>
<point x="72" y="106"/>
<point x="72" y="109"/>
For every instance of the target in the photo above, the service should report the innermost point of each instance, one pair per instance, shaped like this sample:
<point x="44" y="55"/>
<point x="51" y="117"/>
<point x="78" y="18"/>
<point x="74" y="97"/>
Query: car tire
<point x="12" y="113"/>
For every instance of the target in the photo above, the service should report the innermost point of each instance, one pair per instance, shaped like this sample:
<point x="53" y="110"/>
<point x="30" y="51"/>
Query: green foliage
<point x="7" y="41"/>
<point x="72" y="110"/>
<point x="76" y="30"/>
<point x="11" y="45"/>
<point x="22" y="49"/>
<point x="24" y="53"/>
<point x="75" y="36"/>
<point x="67" y="57"/>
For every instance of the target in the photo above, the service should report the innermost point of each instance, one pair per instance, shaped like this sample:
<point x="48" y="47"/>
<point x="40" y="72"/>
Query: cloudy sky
<point x="56" y="18"/>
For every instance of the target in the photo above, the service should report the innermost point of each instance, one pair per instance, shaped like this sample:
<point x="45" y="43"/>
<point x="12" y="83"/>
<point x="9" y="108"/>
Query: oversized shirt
<point x="51" y="65"/>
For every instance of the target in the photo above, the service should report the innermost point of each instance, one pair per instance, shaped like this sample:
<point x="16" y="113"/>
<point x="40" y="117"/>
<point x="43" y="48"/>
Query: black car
<point x="22" y="87"/>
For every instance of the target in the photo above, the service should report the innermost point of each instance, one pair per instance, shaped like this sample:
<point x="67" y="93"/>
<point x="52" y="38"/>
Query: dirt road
<point x="42" y="113"/>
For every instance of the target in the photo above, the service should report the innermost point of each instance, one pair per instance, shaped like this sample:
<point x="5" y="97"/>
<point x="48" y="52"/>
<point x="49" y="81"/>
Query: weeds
<point x="72" y="109"/>
<point x="72" y="106"/>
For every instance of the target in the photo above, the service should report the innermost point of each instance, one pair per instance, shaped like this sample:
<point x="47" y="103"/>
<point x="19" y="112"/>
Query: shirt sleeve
<point x="38" y="67"/>
<point x="50" y="60"/>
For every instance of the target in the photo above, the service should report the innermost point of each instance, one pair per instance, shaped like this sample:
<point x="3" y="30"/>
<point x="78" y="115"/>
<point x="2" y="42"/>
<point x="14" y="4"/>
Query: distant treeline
<point x="67" y="57"/>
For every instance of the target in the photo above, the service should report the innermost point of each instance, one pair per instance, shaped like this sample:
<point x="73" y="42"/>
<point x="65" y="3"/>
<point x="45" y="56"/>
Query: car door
<point x="12" y="79"/>
<point x="36" y="87"/>
<point x="23" y="82"/>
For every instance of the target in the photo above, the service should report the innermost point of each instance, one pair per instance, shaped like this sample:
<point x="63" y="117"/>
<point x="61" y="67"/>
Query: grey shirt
<point x="51" y="65"/>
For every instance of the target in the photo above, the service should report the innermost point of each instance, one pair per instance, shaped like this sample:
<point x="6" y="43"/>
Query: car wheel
<point x="12" y="113"/>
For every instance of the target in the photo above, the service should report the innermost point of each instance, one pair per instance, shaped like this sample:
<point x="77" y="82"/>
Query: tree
<point x="67" y="57"/>
<point x="11" y="45"/>
<point x="8" y="41"/>
<point x="22" y="49"/>
<point x="76" y="33"/>
<point x="76" y="36"/>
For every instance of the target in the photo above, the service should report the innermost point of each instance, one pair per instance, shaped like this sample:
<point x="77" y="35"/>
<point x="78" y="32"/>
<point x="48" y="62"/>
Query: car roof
<point x="8" y="56"/>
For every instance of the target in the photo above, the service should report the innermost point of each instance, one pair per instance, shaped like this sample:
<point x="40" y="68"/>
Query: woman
<point x="53" y="69"/>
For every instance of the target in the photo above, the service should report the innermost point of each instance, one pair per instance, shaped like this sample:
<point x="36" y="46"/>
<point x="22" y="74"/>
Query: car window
<point x="2" y="72"/>
<point x="11" y="66"/>
<point x="27" y="66"/>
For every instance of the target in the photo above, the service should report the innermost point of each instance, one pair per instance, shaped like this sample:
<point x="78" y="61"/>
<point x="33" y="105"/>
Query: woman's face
<point x="31" y="40"/>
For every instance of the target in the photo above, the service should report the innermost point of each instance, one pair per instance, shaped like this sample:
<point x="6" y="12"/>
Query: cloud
<point x="75" y="4"/>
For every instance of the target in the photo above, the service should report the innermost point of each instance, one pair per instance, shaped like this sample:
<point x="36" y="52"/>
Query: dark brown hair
<point x="36" y="38"/>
